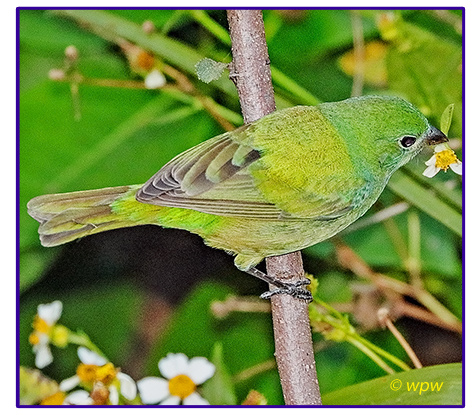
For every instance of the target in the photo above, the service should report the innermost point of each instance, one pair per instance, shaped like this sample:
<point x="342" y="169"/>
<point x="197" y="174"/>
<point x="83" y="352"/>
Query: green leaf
<point x="209" y="70"/>
<point x="446" y="118"/>
<point x="434" y="385"/>
<point x="425" y="67"/>
<point x="405" y="186"/>
<point x="219" y="390"/>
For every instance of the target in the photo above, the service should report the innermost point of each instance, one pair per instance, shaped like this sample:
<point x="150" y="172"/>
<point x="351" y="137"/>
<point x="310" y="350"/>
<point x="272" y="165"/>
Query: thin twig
<point x="221" y="309"/>
<point x="254" y="370"/>
<point x="386" y="322"/>
<point x="394" y="290"/>
<point x="250" y="72"/>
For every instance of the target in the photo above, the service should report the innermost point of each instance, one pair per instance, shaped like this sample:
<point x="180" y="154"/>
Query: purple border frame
<point x="17" y="187"/>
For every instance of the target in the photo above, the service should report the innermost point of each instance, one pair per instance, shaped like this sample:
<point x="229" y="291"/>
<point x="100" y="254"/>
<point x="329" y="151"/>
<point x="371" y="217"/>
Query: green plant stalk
<point x="396" y="238"/>
<point x="82" y="339"/>
<point x="211" y="25"/>
<point x="438" y="309"/>
<point x="413" y="263"/>
<point x="229" y="115"/>
<point x="369" y="353"/>
<point x="453" y="197"/>
<point x="353" y="337"/>
<point x="390" y="357"/>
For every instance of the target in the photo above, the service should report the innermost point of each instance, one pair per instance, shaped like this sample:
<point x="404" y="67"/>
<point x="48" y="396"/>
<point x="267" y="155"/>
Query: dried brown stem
<point x="221" y="309"/>
<point x="250" y="72"/>
<point x="385" y="321"/>
<point x="394" y="290"/>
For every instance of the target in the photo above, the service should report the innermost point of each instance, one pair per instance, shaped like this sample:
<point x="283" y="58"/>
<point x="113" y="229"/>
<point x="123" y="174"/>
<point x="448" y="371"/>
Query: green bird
<point x="287" y="181"/>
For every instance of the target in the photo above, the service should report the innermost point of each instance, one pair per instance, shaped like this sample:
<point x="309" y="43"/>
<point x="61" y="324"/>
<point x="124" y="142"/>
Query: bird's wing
<point x="211" y="177"/>
<point x="214" y="177"/>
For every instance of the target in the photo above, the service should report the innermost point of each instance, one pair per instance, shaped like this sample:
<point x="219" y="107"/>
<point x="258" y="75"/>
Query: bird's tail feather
<point x="67" y="216"/>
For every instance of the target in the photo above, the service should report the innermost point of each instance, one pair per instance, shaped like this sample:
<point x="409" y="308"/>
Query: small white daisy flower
<point x="183" y="375"/>
<point x="105" y="382"/>
<point x="40" y="338"/>
<point x="79" y="397"/>
<point x="442" y="159"/>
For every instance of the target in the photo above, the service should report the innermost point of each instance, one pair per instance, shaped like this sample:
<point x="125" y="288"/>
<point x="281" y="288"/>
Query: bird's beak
<point x="434" y="136"/>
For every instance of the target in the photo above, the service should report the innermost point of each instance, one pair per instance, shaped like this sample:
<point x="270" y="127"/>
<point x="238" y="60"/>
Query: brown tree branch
<point x="250" y="72"/>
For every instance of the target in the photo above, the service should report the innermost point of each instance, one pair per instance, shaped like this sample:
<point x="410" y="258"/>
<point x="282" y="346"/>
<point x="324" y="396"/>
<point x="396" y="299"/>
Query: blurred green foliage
<point x="104" y="136"/>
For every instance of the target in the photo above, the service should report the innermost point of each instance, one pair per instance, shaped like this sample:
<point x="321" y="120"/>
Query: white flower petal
<point x="173" y="364"/>
<point x="152" y="389"/>
<point x="50" y="312"/>
<point x="113" y="395"/>
<point x="155" y="79"/>
<point x="78" y="398"/>
<point x="200" y="369"/>
<point x="89" y="357"/>
<point x="431" y="171"/>
<point x="43" y="340"/>
<point x="456" y="167"/>
<point x="172" y="400"/>
<point x="431" y="161"/>
<point x="128" y="387"/>
<point x="43" y="356"/>
<point x="441" y="147"/>
<point x="69" y="383"/>
<point x="195" y="399"/>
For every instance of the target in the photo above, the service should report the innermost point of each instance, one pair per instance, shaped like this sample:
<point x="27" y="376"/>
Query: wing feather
<point x="214" y="177"/>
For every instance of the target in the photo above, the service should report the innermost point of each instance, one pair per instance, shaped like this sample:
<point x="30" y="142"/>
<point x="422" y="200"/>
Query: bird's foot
<point x="291" y="288"/>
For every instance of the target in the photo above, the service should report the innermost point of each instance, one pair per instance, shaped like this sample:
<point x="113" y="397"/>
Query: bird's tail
<point x="67" y="216"/>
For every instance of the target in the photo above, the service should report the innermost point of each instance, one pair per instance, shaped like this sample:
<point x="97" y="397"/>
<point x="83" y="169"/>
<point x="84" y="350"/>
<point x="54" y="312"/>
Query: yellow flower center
<point x="40" y="325"/>
<point x="90" y="374"/>
<point x="445" y="158"/>
<point x="55" y="399"/>
<point x="33" y="339"/>
<point x="181" y="386"/>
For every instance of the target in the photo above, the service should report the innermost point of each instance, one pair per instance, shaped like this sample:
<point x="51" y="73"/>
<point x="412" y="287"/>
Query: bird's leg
<point x="291" y="288"/>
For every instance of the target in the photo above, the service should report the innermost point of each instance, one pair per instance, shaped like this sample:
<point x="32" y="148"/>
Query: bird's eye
<point x="407" y="141"/>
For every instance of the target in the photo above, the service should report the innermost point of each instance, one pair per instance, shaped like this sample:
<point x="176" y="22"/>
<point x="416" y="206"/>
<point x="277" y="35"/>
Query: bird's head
<point x="386" y="131"/>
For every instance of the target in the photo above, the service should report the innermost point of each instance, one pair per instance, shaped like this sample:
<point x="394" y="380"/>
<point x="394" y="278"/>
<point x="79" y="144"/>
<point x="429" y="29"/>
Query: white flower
<point x="182" y="375"/>
<point x="96" y="373"/>
<point x="45" y="319"/>
<point x="155" y="79"/>
<point x="79" y="397"/>
<point x="442" y="159"/>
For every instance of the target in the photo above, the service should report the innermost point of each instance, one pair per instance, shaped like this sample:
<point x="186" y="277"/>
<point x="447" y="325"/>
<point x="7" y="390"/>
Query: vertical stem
<point x="250" y="72"/>
<point x="359" y="54"/>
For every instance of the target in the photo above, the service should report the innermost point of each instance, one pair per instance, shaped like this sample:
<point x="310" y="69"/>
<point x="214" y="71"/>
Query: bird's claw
<point x="291" y="288"/>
